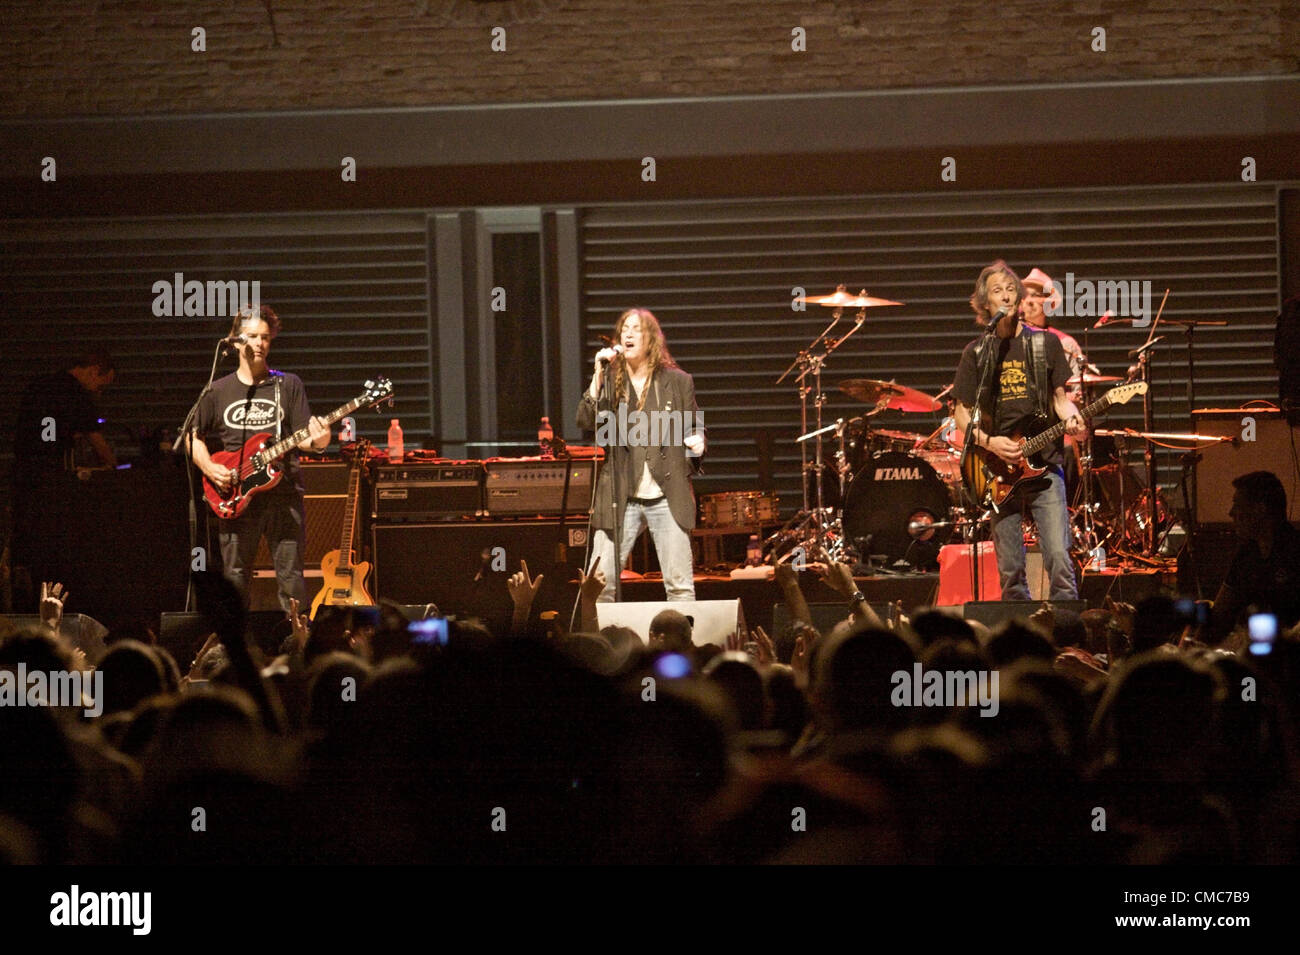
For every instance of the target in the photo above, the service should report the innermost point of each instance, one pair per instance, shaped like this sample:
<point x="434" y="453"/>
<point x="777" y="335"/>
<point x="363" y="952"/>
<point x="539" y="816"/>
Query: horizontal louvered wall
<point x="719" y="277"/>
<point x="351" y="290"/>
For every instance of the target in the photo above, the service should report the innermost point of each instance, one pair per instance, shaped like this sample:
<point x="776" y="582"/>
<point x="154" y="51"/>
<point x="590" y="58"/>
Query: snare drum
<point x="738" y="509"/>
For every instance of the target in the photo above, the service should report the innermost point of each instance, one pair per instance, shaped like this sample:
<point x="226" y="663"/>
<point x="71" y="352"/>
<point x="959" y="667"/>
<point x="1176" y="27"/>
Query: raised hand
<point x="300" y="625"/>
<point x="591" y="585"/>
<point x="53" y="597"/>
<point x="522" y="587"/>
<point x="766" y="648"/>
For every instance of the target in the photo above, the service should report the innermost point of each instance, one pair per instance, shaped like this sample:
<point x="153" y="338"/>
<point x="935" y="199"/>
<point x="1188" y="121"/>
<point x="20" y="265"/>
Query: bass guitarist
<point x="1010" y="384"/>
<point x="252" y="399"/>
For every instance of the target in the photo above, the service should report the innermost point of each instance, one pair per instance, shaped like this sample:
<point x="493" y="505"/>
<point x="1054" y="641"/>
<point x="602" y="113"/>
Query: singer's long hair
<point x="657" y="355"/>
<point x="979" y="301"/>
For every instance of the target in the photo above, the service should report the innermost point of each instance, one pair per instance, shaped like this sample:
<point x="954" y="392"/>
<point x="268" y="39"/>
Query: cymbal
<point x="842" y="299"/>
<point x="1088" y="378"/>
<point x="899" y="397"/>
<point x="902" y="436"/>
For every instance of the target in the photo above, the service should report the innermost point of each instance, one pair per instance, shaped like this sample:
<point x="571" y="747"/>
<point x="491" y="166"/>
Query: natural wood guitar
<point x="991" y="481"/>
<point x="256" y="460"/>
<point x="344" y="580"/>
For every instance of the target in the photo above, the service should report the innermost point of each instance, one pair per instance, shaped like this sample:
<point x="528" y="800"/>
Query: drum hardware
<point x="819" y="533"/>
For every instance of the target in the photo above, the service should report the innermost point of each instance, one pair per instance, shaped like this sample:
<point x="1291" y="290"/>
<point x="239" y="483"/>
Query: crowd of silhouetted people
<point x="1118" y="736"/>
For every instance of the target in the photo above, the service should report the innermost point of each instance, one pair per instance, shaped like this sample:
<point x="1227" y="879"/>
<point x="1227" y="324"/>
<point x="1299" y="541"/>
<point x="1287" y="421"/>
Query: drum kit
<point x="890" y="499"/>
<point x="868" y="493"/>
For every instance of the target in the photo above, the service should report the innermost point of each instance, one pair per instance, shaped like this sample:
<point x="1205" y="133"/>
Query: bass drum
<point x="892" y="492"/>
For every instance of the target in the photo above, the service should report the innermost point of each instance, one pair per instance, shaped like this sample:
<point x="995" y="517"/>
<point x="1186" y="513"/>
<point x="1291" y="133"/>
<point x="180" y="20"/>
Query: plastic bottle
<point x="396" y="450"/>
<point x="347" y="430"/>
<point x="753" y="552"/>
<point x="1099" y="559"/>
<point x="544" y="436"/>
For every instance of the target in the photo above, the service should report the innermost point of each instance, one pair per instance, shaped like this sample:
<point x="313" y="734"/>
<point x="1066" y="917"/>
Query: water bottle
<point x="1099" y="559"/>
<point x="347" y="430"/>
<point x="753" y="552"/>
<point x="395" y="449"/>
<point x="544" y="436"/>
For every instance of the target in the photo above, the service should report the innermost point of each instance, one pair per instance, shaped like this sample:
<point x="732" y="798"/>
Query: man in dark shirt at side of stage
<point x="1265" y="571"/>
<point x="56" y="410"/>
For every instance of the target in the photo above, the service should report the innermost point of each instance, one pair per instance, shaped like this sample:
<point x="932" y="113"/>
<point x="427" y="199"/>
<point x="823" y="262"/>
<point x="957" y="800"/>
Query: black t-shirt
<point x="1272" y="584"/>
<point x="1012" y="406"/>
<point x="233" y="412"/>
<point x="60" y="397"/>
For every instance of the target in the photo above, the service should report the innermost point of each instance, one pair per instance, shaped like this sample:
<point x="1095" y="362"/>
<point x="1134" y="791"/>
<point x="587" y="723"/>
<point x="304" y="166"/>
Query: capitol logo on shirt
<point x="250" y="415"/>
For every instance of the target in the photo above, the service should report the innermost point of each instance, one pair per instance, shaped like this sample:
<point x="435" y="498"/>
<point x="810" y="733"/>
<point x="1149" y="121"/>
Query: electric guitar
<point x="256" y="461"/>
<point x="344" y="581"/>
<point x="990" y="480"/>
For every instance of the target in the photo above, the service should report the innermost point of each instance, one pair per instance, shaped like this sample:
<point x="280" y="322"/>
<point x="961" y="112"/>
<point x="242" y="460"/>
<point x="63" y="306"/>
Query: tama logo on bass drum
<point x="898" y="474"/>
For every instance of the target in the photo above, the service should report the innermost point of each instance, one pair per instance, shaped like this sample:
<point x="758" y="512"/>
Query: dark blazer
<point x="670" y="390"/>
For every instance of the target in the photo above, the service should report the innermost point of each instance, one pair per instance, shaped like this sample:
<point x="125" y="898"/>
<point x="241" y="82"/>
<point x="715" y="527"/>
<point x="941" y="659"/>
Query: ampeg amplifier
<point x="428" y="491"/>
<point x="535" y="486"/>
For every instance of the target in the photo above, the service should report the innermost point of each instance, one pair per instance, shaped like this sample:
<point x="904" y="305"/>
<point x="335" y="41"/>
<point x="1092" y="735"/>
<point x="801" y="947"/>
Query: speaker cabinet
<point x="712" y="621"/>
<point x="326" y="486"/>
<point x="993" y="612"/>
<point x="182" y="633"/>
<point x="1274" y="448"/>
<point x="463" y="568"/>
<point x="83" y="632"/>
<point x="825" y="616"/>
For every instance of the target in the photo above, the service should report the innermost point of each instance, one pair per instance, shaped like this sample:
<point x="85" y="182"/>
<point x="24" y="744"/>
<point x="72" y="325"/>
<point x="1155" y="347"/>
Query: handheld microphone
<point x="613" y="349"/>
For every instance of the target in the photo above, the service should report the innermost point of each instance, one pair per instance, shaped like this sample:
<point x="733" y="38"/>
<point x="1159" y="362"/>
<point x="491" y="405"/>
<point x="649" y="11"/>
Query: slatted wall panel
<point x="351" y="291"/>
<point x="719" y="277"/>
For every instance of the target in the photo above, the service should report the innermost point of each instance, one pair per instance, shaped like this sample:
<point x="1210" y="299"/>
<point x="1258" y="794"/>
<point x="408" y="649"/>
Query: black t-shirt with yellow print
<point x="1012" y="404"/>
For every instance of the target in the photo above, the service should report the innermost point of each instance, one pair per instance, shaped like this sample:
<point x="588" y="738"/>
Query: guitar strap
<point x="1040" y="379"/>
<point x="278" y="414"/>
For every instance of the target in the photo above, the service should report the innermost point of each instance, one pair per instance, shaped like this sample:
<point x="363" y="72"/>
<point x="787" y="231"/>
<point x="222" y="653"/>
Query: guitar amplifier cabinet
<point x="1275" y="446"/>
<point x="325" y="484"/>
<point x="428" y="491"/>
<point x="535" y="487"/>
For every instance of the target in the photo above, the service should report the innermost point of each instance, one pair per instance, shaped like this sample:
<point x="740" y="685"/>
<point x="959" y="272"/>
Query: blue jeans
<point x="672" y="544"/>
<point x="278" y="518"/>
<point x="1053" y="519"/>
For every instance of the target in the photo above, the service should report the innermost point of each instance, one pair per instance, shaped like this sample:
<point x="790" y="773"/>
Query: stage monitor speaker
<point x="1275" y="448"/>
<point x="993" y="612"/>
<point x="182" y="633"/>
<point x="464" y="567"/>
<point x="825" y="616"/>
<point x="82" y="631"/>
<point x="712" y="621"/>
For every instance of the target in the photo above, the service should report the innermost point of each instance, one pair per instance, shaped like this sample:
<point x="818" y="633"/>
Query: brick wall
<point x="115" y="57"/>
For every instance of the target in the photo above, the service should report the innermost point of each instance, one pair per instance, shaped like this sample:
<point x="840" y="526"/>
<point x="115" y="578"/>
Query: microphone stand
<point x="971" y="526"/>
<point x="612" y="460"/>
<point x="222" y="348"/>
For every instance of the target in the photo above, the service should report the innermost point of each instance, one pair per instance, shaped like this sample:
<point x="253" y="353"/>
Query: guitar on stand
<point x="256" y="461"/>
<point x="344" y="580"/>
<point x="990" y="481"/>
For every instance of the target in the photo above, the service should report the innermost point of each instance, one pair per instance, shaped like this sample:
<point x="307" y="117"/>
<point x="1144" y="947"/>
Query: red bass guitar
<point x="256" y="461"/>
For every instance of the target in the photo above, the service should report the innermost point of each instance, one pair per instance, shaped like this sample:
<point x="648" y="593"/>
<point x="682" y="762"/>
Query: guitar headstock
<point x="360" y="450"/>
<point x="1122" y="394"/>
<point x="379" y="390"/>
